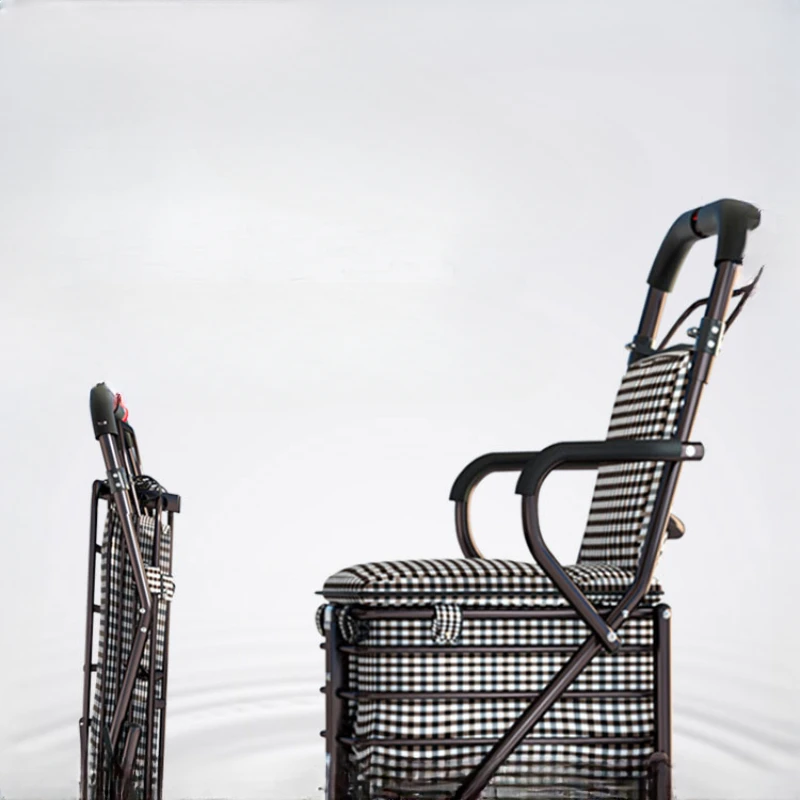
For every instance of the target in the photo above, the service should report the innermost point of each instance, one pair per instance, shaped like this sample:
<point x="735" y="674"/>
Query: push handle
<point x="728" y="220"/>
<point x="107" y="409"/>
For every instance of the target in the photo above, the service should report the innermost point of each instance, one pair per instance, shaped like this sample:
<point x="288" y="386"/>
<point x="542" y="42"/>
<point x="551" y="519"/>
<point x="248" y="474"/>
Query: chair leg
<point x="88" y="666"/>
<point x="661" y="762"/>
<point x="336" y="710"/>
<point x="125" y="788"/>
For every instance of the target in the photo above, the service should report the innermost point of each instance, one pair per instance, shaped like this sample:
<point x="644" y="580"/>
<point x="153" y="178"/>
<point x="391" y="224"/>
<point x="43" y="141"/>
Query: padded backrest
<point x="647" y="407"/>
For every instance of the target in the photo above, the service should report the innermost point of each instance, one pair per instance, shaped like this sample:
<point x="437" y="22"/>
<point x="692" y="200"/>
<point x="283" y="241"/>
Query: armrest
<point x="588" y="455"/>
<point x="484" y="465"/>
<point x="468" y="479"/>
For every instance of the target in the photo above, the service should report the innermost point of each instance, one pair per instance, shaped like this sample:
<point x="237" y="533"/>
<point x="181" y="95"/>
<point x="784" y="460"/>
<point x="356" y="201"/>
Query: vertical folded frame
<point x="122" y="737"/>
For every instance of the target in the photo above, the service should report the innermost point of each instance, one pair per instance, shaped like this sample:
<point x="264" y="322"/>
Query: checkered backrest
<point x="647" y="407"/>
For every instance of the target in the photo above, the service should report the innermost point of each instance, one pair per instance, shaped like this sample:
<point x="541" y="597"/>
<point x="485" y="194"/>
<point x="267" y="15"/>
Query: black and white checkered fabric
<point x="452" y="668"/>
<point x="119" y="614"/>
<point x="447" y="621"/>
<point x="472" y="581"/>
<point x="611" y="701"/>
<point x="646" y="407"/>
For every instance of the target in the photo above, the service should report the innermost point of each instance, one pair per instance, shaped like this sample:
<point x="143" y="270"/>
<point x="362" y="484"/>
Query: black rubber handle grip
<point x="728" y="220"/>
<point x="103" y="405"/>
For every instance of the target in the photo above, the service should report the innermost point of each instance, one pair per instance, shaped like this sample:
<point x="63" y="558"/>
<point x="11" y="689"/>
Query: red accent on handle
<point x="119" y="403"/>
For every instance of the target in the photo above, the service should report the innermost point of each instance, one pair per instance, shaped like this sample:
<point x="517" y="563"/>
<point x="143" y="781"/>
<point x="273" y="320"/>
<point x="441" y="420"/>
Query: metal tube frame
<point x="336" y="674"/>
<point x="627" y="608"/>
<point x="151" y="683"/>
<point x="113" y="777"/>
<point x="701" y="363"/>
<point x="88" y="666"/>
<point x="121" y="493"/>
<point x="661" y="762"/>
<point x="162" y="701"/>
<point x="339" y="744"/>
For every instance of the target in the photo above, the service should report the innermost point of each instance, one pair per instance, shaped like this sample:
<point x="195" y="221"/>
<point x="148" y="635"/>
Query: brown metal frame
<point x="337" y="654"/>
<point x="123" y="463"/>
<point x="730" y="220"/>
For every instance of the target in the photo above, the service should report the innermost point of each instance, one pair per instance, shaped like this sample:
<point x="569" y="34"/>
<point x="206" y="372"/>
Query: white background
<point x="330" y="252"/>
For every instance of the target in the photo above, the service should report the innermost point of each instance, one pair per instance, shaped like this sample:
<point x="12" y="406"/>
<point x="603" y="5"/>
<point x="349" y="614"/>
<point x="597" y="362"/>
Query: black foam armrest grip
<point x="589" y="455"/>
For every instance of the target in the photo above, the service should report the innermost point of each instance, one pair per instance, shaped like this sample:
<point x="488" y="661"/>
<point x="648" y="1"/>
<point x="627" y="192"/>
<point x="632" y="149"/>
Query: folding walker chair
<point x="122" y="742"/>
<point x="475" y="677"/>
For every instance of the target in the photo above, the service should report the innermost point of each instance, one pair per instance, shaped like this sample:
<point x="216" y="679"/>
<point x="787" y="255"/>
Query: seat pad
<point x="474" y="581"/>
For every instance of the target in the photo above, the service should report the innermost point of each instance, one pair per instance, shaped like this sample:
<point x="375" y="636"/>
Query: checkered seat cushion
<point x="473" y="581"/>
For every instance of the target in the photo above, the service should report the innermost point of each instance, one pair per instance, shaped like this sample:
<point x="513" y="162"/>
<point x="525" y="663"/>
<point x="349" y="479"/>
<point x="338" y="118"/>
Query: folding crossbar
<point x="122" y="737"/>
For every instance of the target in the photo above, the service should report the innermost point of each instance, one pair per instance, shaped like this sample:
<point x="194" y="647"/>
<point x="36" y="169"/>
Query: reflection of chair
<point x="122" y="742"/>
<point x="477" y="677"/>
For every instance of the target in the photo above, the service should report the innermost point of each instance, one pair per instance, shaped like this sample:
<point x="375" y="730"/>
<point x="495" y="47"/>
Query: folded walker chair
<point x="122" y="740"/>
<point x="476" y="677"/>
